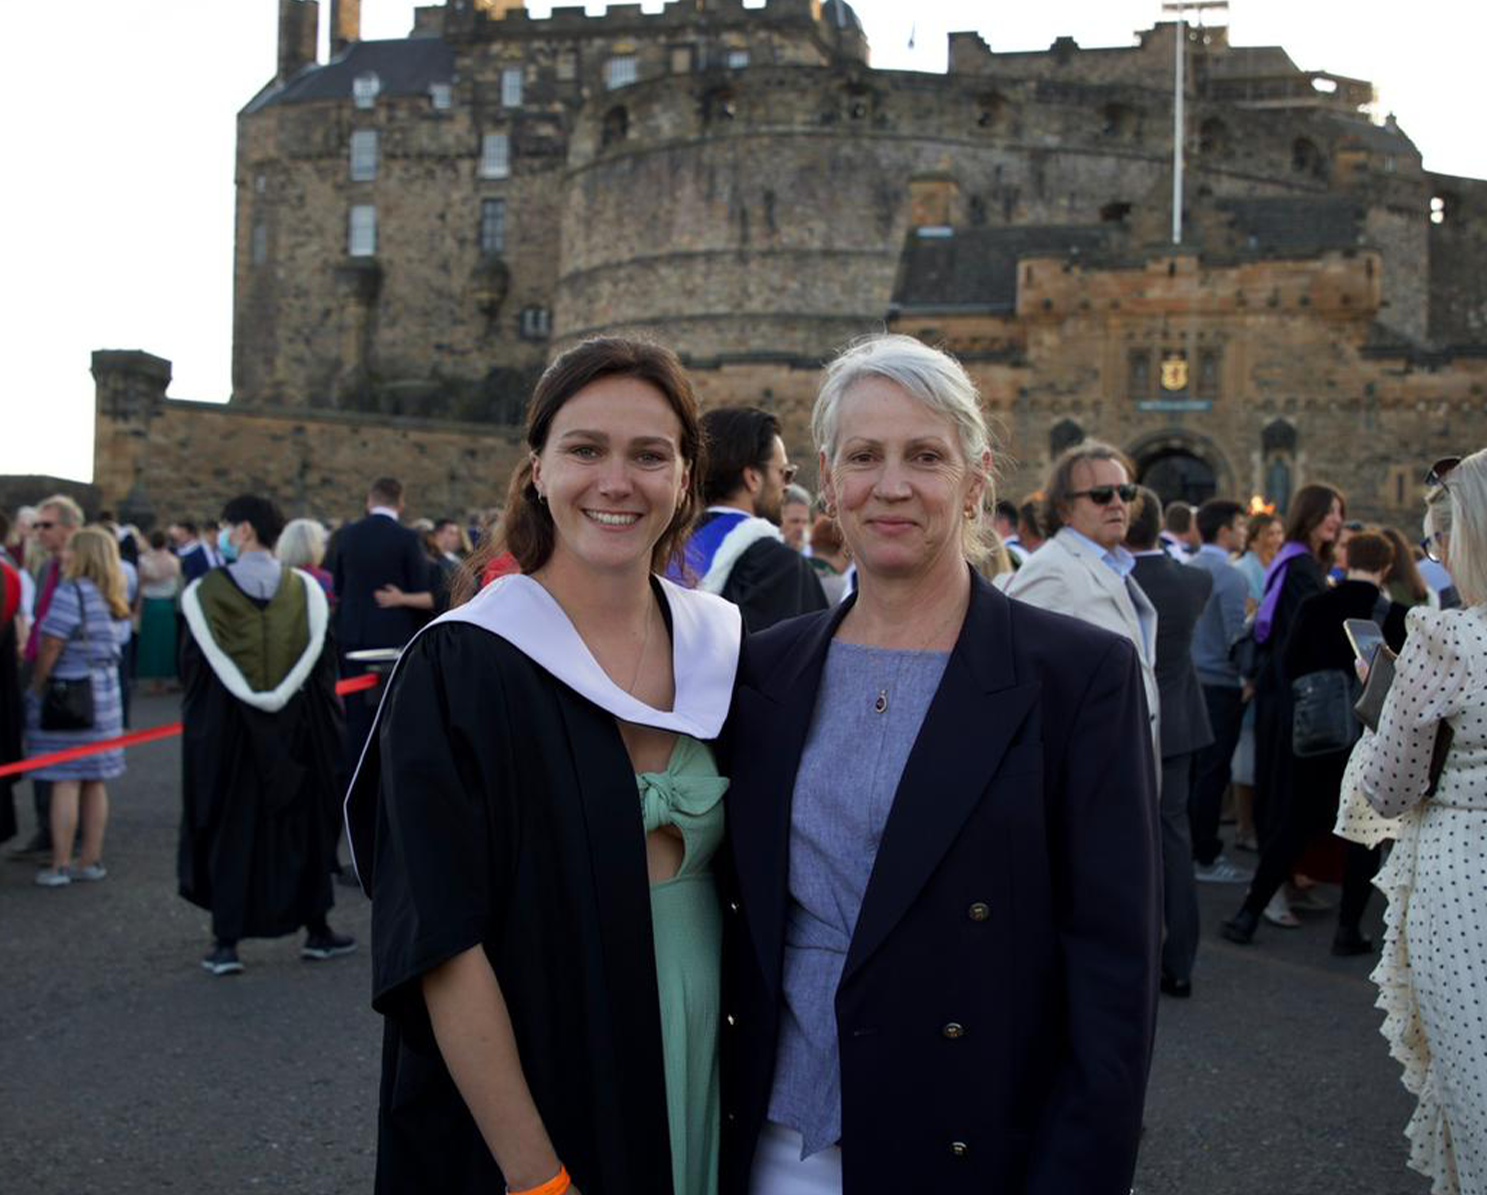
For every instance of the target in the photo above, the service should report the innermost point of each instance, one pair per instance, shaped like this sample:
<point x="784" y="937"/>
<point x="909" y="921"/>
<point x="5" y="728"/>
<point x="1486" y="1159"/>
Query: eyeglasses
<point x="1432" y="552"/>
<point x="1103" y="495"/>
<point x="42" y="525"/>
<point x="1440" y="470"/>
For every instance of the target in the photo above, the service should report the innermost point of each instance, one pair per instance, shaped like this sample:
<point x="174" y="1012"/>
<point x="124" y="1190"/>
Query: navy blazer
<point x="364" y="556"/>
<point x="997" y="1007"/>
<point x="1180" y="594"/>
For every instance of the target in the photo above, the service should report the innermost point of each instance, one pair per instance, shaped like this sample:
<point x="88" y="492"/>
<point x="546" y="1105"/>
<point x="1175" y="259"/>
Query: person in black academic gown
<point x="1318" y="643"/>
<point x="261" y="747"/>
<point x="494" y="818"/>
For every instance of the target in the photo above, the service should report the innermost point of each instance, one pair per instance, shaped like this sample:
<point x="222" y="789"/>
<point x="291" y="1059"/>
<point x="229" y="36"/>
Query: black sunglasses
<point x="1441" y="470"/>
<point x="1102" y="495"/>
<point x="42" y="525"/>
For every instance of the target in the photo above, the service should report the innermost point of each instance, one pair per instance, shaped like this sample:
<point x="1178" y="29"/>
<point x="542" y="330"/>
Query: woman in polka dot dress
<point x="1432" y="979"/>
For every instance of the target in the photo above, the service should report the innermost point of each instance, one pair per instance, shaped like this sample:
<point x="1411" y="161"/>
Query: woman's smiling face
<point x="612" y="473"/>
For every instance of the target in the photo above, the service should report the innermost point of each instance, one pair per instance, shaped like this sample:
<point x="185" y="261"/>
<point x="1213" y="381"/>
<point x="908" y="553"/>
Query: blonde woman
<point x="1432" y="978"/>
<point x="80" y="638"/>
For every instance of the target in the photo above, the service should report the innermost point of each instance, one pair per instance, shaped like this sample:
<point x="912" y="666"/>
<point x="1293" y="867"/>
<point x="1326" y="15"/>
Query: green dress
<point x="687" y="923"/>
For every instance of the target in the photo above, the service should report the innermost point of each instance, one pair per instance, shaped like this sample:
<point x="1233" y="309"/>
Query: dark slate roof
<point x="977" y="267"/>
<point x="403" y="67"/>
<point x="1377" y="138"/>
<point x="1286" y="226"/>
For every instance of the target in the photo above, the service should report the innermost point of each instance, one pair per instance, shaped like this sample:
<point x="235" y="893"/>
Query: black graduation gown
<point x="260" y="815"/>
<point x="772" y="582"/>
<point x="501" y="810"/>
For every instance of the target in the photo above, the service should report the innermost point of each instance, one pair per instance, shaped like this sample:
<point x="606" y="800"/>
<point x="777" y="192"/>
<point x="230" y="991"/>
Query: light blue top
<point x="92" y="636"/>
<point x="1254" y="573"/>
<point x="1117" y="557"/>
<point x="848" y="777"/>
<point x="1222" y="620"/>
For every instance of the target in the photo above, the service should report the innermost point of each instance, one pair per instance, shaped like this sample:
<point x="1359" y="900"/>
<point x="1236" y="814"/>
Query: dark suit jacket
<point x="1180" y="593"/>
<point x="1015" y="895"/>
<point x="365" y="556"/>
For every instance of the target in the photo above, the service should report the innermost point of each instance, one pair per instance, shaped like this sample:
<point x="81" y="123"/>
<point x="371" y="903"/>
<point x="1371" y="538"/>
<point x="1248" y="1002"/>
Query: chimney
<point x="299" y="27"/>
<point x="345" y="24"/>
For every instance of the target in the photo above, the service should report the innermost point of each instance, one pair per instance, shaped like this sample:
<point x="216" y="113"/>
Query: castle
<point x="422" y="223"/>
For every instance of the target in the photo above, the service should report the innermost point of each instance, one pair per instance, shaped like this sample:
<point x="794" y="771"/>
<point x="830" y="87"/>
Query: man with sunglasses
<point x="738" y="550"/>
<point x="1083" y="570"/>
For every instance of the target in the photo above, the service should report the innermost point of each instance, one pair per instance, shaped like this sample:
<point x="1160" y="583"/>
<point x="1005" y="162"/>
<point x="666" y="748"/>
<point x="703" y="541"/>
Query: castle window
<point x="492" y="226"/>
<point x="620" y="72"/>
<point x="1138" y="373"/>
<point x="1119" y="121"/>
<point x="681" y="60"/>
<point x="535" y="323"/>
<point x="567" y="65"/>
<point x="993" y="111"/>
<point x="363" y="155"/>
<point x="616" y="126"/>
<point x="1213" y="138"/>
<point x="511" y="80"/>
<point x="260" y="183"/>
<point x="1115" y="213"/>
<point x="363" y="231"/>
<point x="1208" y="373"/>
<point x="1306" y="158"/>
<point x="495" y="156"/>
<point x="364" y="89"/>
<point x="441" y="96"/>
<point x="738" y="59"/>
<point x="259" y="246"/>
<point x="1442" y="207"/>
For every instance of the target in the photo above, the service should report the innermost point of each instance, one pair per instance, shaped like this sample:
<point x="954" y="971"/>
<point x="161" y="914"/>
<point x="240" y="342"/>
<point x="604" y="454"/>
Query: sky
<point x="116" y="217"/>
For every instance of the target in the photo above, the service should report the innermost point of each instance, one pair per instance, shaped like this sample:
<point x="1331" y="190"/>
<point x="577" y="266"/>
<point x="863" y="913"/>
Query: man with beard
<point x="737" y="550"/>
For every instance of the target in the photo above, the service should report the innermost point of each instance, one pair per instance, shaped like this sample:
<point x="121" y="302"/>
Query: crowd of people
<point x="922" y="708"/>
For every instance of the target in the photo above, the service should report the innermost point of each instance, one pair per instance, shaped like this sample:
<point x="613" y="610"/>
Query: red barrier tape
<point x="353" y="684"/>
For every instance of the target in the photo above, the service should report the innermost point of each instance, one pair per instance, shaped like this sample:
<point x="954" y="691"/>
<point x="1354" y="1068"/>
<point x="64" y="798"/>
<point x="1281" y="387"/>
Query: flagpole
<point x="1179" y="96"/>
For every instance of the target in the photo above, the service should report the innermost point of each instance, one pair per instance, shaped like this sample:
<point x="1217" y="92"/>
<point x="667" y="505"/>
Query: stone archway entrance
<point x="1177" y="475"/>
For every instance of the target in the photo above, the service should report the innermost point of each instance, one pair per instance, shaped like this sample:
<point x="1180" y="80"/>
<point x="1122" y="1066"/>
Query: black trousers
<point x="1179" y="889"/>
<point x="1211" y="769"/>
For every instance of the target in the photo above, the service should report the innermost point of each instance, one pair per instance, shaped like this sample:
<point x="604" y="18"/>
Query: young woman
<point x="82" y="635"/>
<point x="535" y="815"/>
<point x="1298" y="571"/>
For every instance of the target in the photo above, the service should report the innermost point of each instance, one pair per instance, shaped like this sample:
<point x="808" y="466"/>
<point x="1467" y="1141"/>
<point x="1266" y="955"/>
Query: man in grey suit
<point x="1179" y="593"/>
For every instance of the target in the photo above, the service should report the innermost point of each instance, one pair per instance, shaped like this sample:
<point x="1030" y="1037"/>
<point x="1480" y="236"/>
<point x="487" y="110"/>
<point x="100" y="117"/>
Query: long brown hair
<point x="1309" y="510"/>
<point x="1403" y="569"/>
<point x="526" y="529"/>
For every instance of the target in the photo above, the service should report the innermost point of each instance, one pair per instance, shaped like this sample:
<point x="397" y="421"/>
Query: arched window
<point x="992" y="112"/>
<point x="1306" y="158"/>
<point x="616" y="126"/>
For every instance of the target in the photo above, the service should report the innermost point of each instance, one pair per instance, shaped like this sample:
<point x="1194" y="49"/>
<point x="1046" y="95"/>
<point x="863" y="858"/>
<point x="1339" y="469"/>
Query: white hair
<point x="301" y="543"/>
<point x="937" y="380"/>
<point x="1467" y="485"/>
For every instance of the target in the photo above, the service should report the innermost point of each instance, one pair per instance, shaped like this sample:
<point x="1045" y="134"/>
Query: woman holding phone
<point x="1318" y="643"/>
<point x="535" y="818"/>
<point x="1432" y="977"/>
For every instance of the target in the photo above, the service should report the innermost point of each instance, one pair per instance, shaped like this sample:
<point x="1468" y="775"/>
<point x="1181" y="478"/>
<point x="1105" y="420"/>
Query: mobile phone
<point x="1364" y="635"/>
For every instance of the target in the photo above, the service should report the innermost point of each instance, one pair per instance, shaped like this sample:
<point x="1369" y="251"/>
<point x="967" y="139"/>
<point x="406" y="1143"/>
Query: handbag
<point x="1324" y="721"/>
<point x="67" y="702"/>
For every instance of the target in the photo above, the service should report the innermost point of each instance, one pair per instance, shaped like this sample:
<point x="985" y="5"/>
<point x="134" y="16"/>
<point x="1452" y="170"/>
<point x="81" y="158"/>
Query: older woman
<point x="302" y="545"/>
<point x="1433" y="975"/>
<point x="940" y="968"/>
<point x="81" y="636"/>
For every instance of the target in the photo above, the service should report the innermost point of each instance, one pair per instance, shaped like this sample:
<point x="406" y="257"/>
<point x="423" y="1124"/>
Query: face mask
<point x="226" y="546"/>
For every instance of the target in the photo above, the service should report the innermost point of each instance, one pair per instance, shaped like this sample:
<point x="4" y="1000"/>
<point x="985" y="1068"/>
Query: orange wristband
<point x="556" y="1185"/>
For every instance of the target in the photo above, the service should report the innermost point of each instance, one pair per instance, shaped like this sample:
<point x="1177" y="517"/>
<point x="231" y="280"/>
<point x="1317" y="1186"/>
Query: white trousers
<point x="778" y="1169"/>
